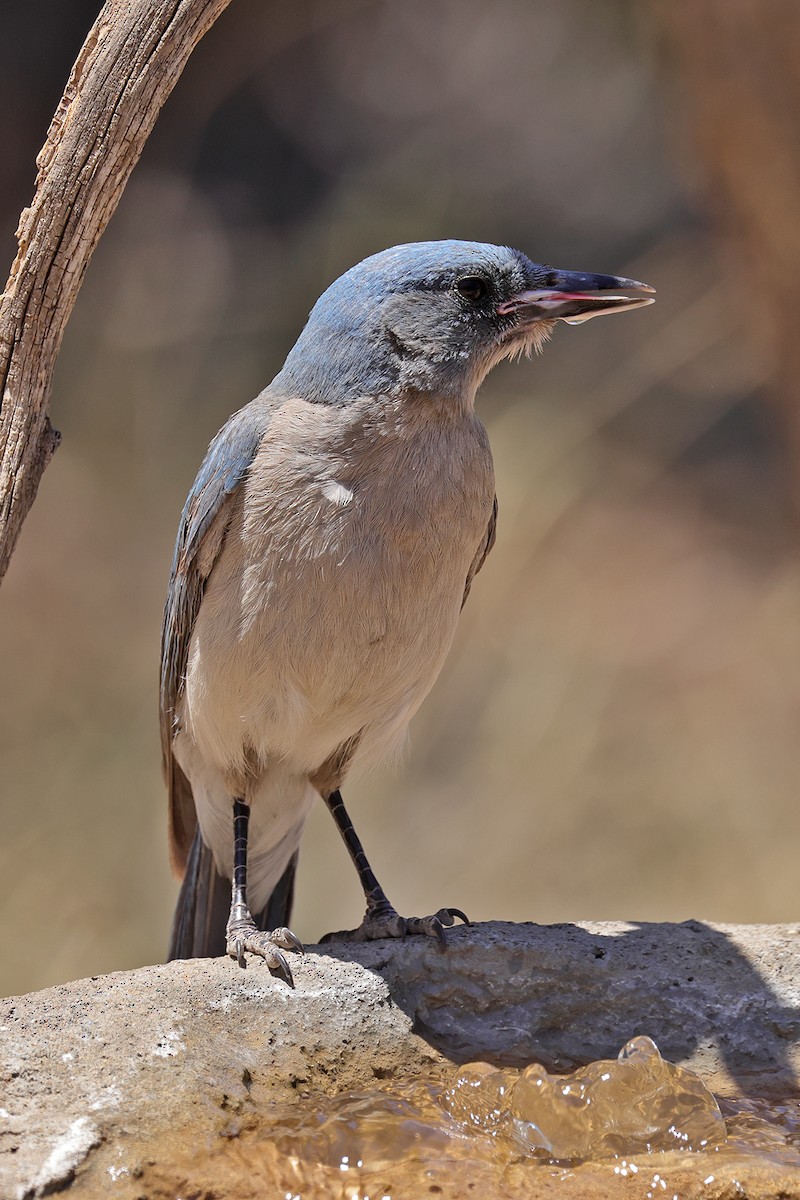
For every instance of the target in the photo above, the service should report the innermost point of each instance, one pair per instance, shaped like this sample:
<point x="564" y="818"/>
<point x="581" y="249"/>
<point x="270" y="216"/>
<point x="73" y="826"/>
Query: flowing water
<point x="637" y="1127"/>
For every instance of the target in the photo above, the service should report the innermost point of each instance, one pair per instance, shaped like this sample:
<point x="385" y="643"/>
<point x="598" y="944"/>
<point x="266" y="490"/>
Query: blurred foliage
<point x="615" y="733"/>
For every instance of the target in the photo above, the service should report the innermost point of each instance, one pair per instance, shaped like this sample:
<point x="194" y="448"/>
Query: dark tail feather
<point x="279" y="906"/>
<point x="201" y="914"/>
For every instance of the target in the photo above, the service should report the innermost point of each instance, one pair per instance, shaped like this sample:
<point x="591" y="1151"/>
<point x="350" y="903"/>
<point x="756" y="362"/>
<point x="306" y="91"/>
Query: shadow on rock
<point x="715" y="997"/>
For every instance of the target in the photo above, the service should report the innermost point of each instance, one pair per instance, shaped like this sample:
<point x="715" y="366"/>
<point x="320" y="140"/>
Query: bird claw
<point x="247" y="938"/>
<point x="389" y="924"/>
<point x="434" y="926"/>
<point x="278" y="963"/>
<point x="287" y="940"/>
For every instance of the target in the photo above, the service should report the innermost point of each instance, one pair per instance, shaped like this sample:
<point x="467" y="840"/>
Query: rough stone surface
<point x="94" y="1071"/>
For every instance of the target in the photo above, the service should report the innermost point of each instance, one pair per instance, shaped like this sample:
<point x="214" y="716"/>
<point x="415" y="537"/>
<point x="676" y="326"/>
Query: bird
<point x="323" y="556"/>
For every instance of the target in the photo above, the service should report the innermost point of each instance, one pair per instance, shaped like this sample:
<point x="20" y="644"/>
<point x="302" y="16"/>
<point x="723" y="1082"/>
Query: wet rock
<point x="94" y="1074"/>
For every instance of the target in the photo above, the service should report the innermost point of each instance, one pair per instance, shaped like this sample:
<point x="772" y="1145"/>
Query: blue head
<point x="435" y="317"/>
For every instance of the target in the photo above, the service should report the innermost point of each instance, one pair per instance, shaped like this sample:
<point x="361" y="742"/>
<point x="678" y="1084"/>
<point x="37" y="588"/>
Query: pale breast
<point x="338" y="588"/>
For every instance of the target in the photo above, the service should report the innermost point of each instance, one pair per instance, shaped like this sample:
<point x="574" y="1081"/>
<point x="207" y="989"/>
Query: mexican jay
<point x="323" y="556"/>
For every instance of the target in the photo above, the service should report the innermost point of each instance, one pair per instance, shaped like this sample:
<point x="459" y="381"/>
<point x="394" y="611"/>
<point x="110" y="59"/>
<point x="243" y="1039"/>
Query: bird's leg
<point x="241" y="932"/>
<point x="381" y="919"/>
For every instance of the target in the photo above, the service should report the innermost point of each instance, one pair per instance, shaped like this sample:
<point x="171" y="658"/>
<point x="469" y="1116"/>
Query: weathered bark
<point x="737" y="67"/>
<point x="131" y="60"/>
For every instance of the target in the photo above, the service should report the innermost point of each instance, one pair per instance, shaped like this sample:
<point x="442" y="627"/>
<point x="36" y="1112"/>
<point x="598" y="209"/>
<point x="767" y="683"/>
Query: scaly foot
<point x="386" y="923"/>
<point x="244" y="937"/>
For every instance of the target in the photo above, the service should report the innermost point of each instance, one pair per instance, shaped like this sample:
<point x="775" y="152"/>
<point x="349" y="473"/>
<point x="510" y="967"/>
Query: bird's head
<point x="435" y="317"/>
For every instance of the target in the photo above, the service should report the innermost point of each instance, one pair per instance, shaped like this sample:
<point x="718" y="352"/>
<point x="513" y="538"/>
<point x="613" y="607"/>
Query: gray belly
<point x="329" y="612"/>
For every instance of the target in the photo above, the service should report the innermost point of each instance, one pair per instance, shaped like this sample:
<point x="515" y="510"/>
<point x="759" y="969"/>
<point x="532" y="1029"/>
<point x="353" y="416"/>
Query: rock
<point x="94" y="1073"/>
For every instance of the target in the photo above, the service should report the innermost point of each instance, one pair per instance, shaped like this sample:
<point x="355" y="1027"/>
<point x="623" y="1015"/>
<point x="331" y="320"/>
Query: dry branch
<point x="130" y="62"/>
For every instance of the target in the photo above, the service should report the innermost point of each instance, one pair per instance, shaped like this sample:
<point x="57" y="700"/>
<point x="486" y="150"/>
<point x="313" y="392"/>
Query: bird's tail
<point x="201" y="914"/>
<point x="198" y="927"/>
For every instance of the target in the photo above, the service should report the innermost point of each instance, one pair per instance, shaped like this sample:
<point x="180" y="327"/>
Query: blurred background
<point x="616" y="731"/>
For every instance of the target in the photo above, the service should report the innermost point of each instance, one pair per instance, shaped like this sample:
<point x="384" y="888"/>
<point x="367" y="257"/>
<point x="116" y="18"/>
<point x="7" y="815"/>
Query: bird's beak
<point x="573" y="296"/>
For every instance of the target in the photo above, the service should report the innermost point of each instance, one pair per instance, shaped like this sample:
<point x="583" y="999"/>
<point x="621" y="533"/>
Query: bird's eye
<point x="472" y="287"/>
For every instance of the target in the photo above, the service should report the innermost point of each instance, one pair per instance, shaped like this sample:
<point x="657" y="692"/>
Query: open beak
<point x="574" y="296"/>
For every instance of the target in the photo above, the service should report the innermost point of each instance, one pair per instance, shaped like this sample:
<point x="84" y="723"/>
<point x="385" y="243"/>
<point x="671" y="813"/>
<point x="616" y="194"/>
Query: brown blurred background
<point x="615" y="734"/>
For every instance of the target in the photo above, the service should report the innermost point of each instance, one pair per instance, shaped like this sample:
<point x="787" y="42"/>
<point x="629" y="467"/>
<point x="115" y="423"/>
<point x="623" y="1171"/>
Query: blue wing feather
<point x="483" y="551"/>
<point x="222" y="471"/>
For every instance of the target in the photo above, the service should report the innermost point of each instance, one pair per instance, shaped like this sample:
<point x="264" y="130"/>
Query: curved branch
<point x="130" y="62"/>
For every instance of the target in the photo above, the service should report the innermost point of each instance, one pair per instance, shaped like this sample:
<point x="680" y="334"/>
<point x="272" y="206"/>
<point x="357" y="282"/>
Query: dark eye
<point x="472" y="287"/>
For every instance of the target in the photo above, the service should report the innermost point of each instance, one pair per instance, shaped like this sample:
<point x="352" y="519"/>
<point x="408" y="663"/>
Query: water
<point x="636" y="1126"/>
<point x="638" y="1103"/>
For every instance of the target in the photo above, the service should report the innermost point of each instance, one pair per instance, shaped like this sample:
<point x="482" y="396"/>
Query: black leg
<point x="241" y="821"/>
<point x="242" y="934"/>
<point x="376" y="897"/>
<point x="381" y="919"/>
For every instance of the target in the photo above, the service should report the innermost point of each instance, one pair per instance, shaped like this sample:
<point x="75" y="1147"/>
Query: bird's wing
<point x="483" y="551"/>
<point x="201" y="532"/>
